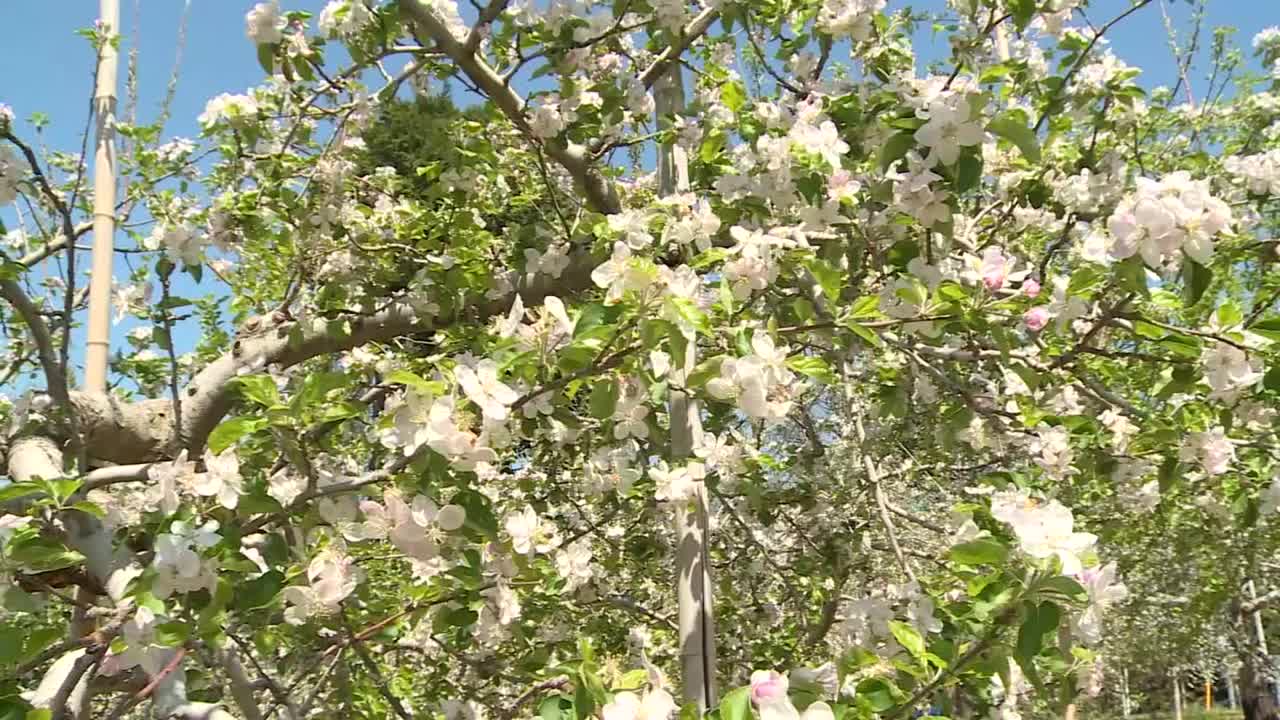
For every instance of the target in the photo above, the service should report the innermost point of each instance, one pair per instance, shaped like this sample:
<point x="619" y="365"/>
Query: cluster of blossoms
<point x="1230" y="370"/>
<point x="1260" y="173"/>
<point x="234" y="109"/>
<point x="769" y="693"/>
<point x="1044" y="530"/>
<point x="178" y="563"/>
<point x="221" y="480"/>
<point x="1212" y="449"/>
<point x="331" y="576"/>
<point x="1087" y="191"/>
<point x="420" y="419"/>
<point x="760" y="382"/>
<point x="1162" y="217"/>
<point x="950" y="125"/>
<point x="417" y="528"/>
<point x="919" y="192"/>
<point x="866" y="622"/>
<point x="343" y="17"/>
<point x="849" y="18"/>
<point x="264" y="25"/>
<point x="1053" y="453"/>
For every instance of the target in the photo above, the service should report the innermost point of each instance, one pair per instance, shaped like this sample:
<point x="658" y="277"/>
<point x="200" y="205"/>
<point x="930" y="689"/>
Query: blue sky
<point x="49" y="68"/>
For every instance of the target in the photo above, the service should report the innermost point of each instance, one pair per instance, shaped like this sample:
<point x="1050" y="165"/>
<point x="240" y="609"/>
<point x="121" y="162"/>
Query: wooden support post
<point x="1177" y="696"/>
<point x="1126" y="706"/>
<point x="693" y="570"/>
<point x="97" y="345"/>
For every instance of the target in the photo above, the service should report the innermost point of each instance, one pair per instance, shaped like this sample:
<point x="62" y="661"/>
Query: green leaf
<point x="895" y="148"/>
<point x="222" y="596"/>
<point x="968" y="171"/>
<point x="583" y="704"/>
<point x="867" y="306"/>
<point x="480" y="515"/>
<point x="404" y="377"/>
<point x="733" y="95"/>
<point x="1229" y="314"/>
<point x="11" y="640"/>
<point x="230" y="431"/>
<point x="633" y="680"/>
<point x="1268" y="328"/>
<point x="260" y="389"/>
<point x="555" y="707"/>
<point x="40" y="555"/>
<point x="705" y="370"/>
<point x="814" y="367"/>
<point x="604" y="399"/>
<point x="979" y="552"/>
<point x="260" y="591"/>
<point x="1132" y="274"/>
<point x="89" y="508"/>
<point x="866" y="333"/>
<point x="1022" y="12"/>
<point x="736" y="705"/>
<point x="909" y="638"/>
<point x="1011" y="127"/>
<point x="1063" y="586"/>
<point x="1041" y="619"/>
<point x="12" y="491"/>
<point x="828" y="276"/>
<point x="1197" y="280"/>
<point x="267" y="57"/>
<point x="173" y="633"/>
<point x="687" y="311"/>
<point x="877" y="693"/>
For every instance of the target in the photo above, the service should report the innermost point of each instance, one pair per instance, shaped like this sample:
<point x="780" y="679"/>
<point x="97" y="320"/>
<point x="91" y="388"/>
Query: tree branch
<point x="574" y="158"/>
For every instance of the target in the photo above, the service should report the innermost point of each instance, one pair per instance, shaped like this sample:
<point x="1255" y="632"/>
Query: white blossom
<point x="264" y="24"/>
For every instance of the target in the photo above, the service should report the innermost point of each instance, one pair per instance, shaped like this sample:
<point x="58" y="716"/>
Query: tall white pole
<point x="693" y="572"/>
<point x="98" y="345"/>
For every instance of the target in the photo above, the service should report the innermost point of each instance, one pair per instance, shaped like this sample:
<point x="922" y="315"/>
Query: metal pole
<point x="693" y="571"/>
<point x="98" y="344"/>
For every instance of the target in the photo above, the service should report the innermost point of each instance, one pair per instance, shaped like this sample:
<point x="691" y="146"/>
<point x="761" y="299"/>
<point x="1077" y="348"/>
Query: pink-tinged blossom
<point x="994" y="268"/>
<point x="1104" y="592"/>
<point x="1036" y="318"/>
<point x="1212" y="449"/>
<point x="331" y="577"/>
<point x="1031" y="288"/>
<point x="768" y="686"/>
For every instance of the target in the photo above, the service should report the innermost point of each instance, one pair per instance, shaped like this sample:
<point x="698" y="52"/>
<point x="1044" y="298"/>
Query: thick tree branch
<point x="13" y="293"/>
<point x="1260" y="602"/>
<point x="241" y="687"/>
<point x="694" y="30"/>
<point x="574" y="158"/>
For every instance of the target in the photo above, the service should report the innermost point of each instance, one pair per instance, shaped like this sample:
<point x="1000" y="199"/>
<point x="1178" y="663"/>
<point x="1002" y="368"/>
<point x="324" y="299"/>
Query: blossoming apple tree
<point x="710" y="345"/>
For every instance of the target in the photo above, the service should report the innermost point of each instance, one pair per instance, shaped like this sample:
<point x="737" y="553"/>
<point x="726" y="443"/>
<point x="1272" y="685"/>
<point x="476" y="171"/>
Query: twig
<point x="873" y="474"/>
<point x="1084" y="55"/>
<point x="82" y="664"/>
<point x="554" y="684"/>
<point x="376" y="674"/>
